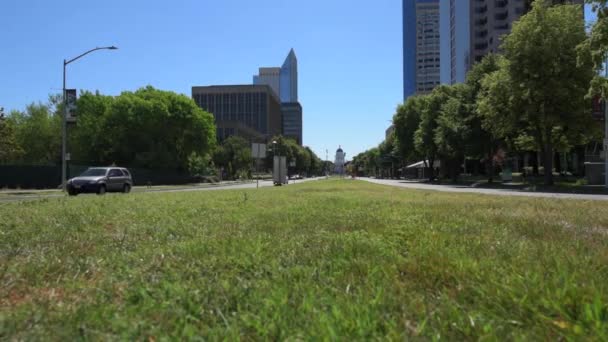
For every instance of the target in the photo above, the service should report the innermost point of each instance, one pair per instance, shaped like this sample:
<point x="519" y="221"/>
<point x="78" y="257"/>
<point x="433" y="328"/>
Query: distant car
<point x="101" y="180"/>
<point x="295" y="177"/>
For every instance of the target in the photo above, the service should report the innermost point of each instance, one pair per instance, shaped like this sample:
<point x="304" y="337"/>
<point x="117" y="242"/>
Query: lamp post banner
<point x="70" y="103"/>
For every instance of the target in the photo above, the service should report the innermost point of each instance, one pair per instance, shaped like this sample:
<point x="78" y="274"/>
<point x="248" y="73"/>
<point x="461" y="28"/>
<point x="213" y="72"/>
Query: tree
<point x="480" y="142"/>
<point x="234" y="155"/>
<point x="38" y="131"/>
<point x="9" y="148"/>
<point x="316" y="164"/>
<point x="543" y="82"/>
<point x="148" y="128"/>
<point x="88" y="141"/>
<point x="494" y="105"/>
<point x="453" y="129"/>
<point x="388" y="156"/>
<point x="407" y="121"/>
<point x="424" y="137"/>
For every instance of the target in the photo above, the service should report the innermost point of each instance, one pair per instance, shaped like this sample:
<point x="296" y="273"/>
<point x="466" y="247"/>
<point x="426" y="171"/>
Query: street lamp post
<point x="64" y="125"/>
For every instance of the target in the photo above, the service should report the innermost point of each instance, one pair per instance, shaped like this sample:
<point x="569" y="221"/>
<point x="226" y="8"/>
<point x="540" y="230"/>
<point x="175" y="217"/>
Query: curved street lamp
<point x="65" y="114"/>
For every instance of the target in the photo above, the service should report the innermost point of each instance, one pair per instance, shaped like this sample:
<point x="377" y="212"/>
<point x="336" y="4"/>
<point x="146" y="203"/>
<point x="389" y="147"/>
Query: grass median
<point x="328" y="259"/>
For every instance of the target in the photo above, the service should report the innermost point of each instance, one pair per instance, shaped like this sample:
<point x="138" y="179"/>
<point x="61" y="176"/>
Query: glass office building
<point x="421" y="47"/>
<point x="292" y="120"/>
<point x="289" y="79"/>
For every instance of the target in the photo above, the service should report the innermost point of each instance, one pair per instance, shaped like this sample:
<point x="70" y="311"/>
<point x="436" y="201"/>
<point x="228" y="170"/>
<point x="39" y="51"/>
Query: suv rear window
<point x="126" y="172"/>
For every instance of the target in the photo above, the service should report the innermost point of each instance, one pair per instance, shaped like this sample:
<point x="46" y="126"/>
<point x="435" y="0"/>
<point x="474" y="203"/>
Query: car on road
<point x="100" y="180"/>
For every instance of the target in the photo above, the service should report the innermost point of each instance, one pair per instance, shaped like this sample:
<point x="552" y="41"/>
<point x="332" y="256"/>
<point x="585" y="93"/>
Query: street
<point x="36" y="194"/>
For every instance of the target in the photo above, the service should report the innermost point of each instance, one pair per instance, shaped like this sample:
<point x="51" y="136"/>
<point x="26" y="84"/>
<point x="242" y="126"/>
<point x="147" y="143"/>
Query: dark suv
<point x="100" y="180"/>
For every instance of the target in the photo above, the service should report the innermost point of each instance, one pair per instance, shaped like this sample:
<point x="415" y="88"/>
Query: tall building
<point x="289" y="78"/>
<point x="292" y="120"/>
<point x="421" y="46"/>
<point x="471" y="29"/>
<point x="284" y="81"/>
<point x="249" y="111"/>
<point x="269" y="76"/>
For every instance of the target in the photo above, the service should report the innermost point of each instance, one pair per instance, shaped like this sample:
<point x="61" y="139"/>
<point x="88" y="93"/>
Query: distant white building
<point x="339" y="163"/>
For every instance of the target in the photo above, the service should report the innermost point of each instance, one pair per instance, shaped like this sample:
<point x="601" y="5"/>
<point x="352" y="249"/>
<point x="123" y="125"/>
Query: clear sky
<point x="349" y="54"/>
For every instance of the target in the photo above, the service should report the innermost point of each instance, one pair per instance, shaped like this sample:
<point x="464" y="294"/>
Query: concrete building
<point x="470" y="29"/>
<point x="421" y="46"/>
<point x="292" y="120"/>
<point x="269" y="76"/>
<point x="249" y="111"/>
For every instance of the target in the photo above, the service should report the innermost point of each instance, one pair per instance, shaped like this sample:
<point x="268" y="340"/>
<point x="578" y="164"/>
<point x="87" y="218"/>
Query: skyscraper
<point x="421" y="46"/>
<point x="289" y="78"/>
<point x="472" y="29"/>
<point x="284" y="81"/>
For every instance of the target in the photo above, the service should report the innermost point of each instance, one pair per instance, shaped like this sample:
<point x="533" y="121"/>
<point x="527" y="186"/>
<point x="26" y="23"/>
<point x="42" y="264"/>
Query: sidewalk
<point x="487" y="191"/>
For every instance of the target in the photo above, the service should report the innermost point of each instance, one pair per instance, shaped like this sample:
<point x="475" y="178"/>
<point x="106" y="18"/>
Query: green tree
<point x="148" y="128"/>
<point x="544" y="81"/>
<point x="38" y="131"/>
<point x="453" y="128"/>
<point x="234" y="155"/>
<point x="88" y="141"/>
<point x="407" y="121"/>
<point x="10" y="150"/>
<point x="424" y="137"/>
<point x="316" y="164"/>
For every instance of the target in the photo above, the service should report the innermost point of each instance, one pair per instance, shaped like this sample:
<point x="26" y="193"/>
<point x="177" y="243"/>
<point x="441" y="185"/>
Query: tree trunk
<point x="557" y="161"/>
<point x="535" y="163"/>
<point x="548" y="156"/>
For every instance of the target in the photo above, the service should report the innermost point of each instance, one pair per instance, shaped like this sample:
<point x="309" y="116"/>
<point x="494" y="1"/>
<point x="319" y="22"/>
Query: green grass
<point x="335" y="259"/>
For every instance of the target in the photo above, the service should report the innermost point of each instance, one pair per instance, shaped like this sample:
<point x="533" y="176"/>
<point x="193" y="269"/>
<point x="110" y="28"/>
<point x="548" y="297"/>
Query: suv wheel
<point x="72" y="192"/>
<point x="126" y="188"/>
<point x="101" y="190"/>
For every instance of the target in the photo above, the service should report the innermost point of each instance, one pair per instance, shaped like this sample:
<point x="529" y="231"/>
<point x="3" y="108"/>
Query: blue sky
<point x="349" y="54"/>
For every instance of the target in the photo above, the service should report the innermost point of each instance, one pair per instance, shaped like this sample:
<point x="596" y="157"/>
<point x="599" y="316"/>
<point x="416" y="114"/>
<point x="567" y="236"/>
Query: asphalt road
<point x="252" y="185"/>
<point x="466" y="189"/>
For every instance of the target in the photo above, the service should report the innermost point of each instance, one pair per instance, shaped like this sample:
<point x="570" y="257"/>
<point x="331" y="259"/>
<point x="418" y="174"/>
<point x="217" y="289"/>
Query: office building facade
<point x="292" y="120"/>
<point x="249" y="111"/>
<point x="471" y="29"/>
<point x="421" y="46"/>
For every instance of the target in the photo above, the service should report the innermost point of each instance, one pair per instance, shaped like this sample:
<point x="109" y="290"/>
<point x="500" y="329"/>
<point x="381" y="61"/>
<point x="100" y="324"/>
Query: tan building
<point x="470" y="29"/>
<point x="269" y="76"/>
<point x="493" y="19"/>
